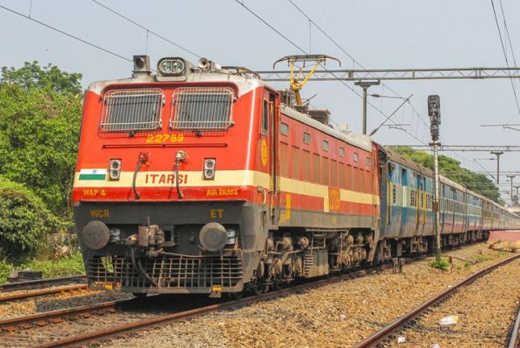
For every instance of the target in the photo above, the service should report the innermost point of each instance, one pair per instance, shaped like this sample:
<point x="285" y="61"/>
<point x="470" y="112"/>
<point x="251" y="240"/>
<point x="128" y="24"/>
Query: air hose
<point x="138" y="267"/>
<point x="143" y="157"/>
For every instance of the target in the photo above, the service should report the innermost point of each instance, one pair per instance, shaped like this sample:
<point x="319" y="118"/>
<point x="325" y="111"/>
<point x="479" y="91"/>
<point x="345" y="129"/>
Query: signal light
<point x="115" y="170"/>
<point x="209" y="168"/>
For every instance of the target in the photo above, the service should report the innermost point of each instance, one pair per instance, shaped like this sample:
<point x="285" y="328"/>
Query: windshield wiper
<point x="197" y="132"/>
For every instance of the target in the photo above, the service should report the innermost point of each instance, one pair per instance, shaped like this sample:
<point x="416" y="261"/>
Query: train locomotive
<point x="202" y="179"/>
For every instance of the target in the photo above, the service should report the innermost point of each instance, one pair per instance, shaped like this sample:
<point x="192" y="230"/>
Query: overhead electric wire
<point x="349" y="55"/>
<point x="506" y="28"/>
<point x="474" y="161"/>
<point x="304" y="52"/>
<point x="66" y="34"/>
<point x="145" y="28"/>
<point x="481" y="166"/>
<point x="505" y="54"/>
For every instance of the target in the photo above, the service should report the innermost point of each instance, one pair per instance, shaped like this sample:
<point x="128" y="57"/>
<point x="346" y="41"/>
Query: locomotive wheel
<point x="258" y="286"/>
<point x="277" y="283"/>
<point x="259" y="289"/>
<point x="235" y="296"/>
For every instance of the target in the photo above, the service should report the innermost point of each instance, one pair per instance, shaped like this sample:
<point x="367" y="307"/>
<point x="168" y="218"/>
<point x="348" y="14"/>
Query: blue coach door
<point x="404" y="215"/>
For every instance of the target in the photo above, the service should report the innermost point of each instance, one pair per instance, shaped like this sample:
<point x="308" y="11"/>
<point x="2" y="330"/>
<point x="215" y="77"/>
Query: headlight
<point x="115" y="169"/>
<point x="213" y="237"/>
<point x="209" y="168"/>
<point x="171" y="66"/>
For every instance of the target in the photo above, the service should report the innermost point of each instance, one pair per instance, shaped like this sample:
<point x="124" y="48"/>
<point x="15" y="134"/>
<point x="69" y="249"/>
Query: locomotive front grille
<point x="168" y="272"/>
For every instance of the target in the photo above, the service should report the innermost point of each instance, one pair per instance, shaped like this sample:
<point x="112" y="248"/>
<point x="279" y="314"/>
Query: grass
<point x="51" y="268"/>
<point x="441" y="263"/>
<point x="484" y="258"/>
<point x="479" y="259"/>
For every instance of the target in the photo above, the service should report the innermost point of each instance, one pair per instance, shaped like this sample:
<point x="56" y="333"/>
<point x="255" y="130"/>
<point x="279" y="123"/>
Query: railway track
<point x="43" y="292"/>
<point x="381" y="336"/>
<point x="514" y="339"/>
<point x="55" y="317"/>
<point x="33" y="284"/>
<point x="13" y="325"/>
<point x="41" y="287"/>
<point x="124" y="326"/>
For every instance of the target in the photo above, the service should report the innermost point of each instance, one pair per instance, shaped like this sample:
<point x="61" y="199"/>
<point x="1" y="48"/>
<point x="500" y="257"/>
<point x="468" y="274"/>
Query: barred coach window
<point x="202" y="108"/>
<point x="132" y="110"/>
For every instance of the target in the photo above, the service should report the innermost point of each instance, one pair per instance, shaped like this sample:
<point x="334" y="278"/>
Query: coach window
<point x="355" y="156"/>
<point x="325" y="145"/>
<point x="341" y="152"/>
<point x="284" y="128"/>
<point x="265" y="117"/>
<point x="368" y="161"/>
<point x="306" y="138"/>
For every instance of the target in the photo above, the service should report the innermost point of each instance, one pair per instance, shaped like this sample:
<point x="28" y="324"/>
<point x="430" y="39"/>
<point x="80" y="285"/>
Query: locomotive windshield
<point x="132" y="110"/>
<point x="202" y="108"/>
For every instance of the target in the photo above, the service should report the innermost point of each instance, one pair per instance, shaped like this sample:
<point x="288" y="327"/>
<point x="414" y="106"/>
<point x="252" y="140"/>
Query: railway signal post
<point x="434" y="111"/>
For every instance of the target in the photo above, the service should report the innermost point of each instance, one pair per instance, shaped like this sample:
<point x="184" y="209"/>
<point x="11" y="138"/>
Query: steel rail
<point x="166" y="319"/>
<point x="42" y="292"/>
<point x="40" y="282"/>
<point x="514" y="339"/>
<point x="27" y="321"/>
<point x="381" y="335"/>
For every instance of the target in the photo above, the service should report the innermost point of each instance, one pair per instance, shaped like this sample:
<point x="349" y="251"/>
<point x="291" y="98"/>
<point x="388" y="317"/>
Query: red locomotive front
<point x="183" y="185"/>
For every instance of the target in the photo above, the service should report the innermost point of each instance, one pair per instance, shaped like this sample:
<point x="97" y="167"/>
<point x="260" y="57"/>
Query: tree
<point x="50" y="77"/>
<point x="451" y="168"/>
<point x="40" y="112"/>
<point x="24" y="221"/>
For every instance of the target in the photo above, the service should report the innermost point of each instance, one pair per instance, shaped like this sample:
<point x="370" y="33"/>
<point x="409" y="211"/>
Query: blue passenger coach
<point x="407" y="209"/>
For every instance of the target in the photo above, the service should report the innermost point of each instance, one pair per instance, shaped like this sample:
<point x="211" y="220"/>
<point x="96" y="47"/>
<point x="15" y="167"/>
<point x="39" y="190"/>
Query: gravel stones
<point x="57" y="301"/>
<point x="336" y="315"/>
<point x="485" y="309"/>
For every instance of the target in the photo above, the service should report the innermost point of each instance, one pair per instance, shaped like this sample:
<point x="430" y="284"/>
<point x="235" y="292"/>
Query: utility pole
<point x="434" y="111"/>
<point x="516" y="197"/>
<point x="365" y="85"/>
<point x="498" y="154"/>
<point x="511" y="177"/>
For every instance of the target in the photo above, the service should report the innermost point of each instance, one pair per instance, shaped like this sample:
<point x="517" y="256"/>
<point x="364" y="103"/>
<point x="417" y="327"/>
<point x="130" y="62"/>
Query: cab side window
<point x="265" y="117"/>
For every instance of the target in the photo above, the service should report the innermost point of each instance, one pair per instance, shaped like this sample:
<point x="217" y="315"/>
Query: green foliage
<point x="24" y="221"/>
<point x="5" y="269"/>
<point x="451" y="168"/>
<point x="40" y="112"/>
<point x="62" y="267"/>
<point x="50" y="77"/>
<point x="441" y="263"/>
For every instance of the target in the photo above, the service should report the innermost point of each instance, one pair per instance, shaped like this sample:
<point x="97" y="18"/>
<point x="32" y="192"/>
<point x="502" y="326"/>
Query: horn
<point x="203" y="63"/>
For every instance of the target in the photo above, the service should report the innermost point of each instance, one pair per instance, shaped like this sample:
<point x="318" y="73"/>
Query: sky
<point x="379" y="34"/>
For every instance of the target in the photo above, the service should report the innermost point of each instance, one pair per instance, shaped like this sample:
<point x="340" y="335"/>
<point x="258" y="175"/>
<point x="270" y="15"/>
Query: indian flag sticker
<point x="93" y="174"/>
